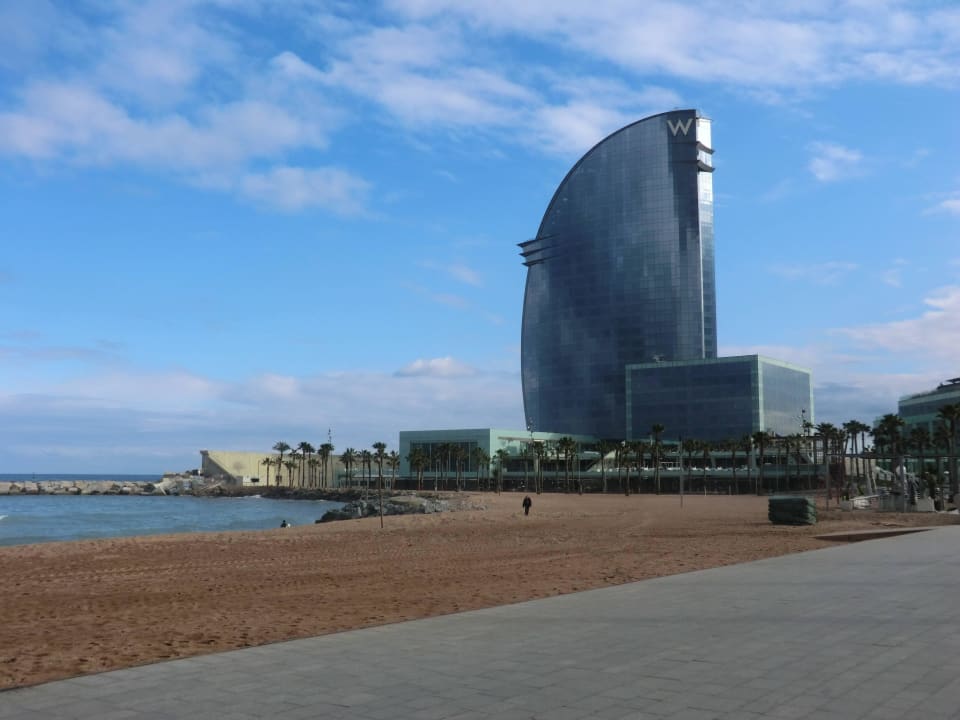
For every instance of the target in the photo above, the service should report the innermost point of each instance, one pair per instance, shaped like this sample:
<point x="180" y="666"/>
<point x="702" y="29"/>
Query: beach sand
<point x="82" y="607"/>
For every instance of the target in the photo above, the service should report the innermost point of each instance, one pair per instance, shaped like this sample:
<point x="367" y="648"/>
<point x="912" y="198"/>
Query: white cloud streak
<point x="831" y="162"/>
<point x="825" y="273"/>
<point x="152" y="422"/>
<point x="749" y="44"/>
<point x="184" y="88"/>
<point x="933" y="334"/>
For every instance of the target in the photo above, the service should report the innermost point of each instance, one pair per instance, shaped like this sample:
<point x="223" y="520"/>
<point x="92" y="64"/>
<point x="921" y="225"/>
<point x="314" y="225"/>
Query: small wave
<point x="251" y="497"/>
<point x="3" y="517"/>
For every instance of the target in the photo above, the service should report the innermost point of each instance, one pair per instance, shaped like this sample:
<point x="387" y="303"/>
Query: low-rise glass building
<point x="920" y="410"/>
<point x="516" y="443"/>
<point x="717" y="399"/>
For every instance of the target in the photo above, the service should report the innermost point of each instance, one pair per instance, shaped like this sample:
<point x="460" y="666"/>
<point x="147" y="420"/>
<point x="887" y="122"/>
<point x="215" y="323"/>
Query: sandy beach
<point x="83" y="607"/>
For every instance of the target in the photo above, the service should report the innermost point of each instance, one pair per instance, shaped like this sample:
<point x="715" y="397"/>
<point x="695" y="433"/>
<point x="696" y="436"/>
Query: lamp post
<point x="623" y="451"/>
<point x="526" y="456"/>
<point x="680" y="457"/>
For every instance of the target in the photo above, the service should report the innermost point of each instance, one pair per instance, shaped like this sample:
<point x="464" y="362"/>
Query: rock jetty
<point x="396" y="505"/>
<point x="165" y="486"/>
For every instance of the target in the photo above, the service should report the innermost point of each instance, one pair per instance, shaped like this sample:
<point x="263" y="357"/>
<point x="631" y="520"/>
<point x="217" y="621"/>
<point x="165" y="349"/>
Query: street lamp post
<point x="526" y="456"/>
<point x="623" y="451"/>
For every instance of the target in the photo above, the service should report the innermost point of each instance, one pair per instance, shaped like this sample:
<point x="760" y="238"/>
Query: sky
<point x="230" y="223"/>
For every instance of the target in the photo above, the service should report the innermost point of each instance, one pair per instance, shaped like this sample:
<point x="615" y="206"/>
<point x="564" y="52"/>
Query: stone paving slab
<point x="866" y="630"/>
<point x="872" y="534"/>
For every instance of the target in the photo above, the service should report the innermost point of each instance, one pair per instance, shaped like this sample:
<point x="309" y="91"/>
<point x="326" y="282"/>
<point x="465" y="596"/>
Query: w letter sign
<point x="683" y="125"/>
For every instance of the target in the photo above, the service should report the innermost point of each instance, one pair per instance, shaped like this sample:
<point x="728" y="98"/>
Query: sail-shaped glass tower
<point x="621" y="272"/>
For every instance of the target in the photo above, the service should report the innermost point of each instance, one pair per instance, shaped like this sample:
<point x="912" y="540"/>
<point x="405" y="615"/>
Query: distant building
<point x="248" y="469"/>
<point x="490" y="440"/>
<point x="621" y="271"/>
<point x="620" y="311"/>
<point x="717" y="399"/>
<point x="920" y="410"/>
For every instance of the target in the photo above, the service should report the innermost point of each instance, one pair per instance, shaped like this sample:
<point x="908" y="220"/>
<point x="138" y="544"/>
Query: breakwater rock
<point x="89" y="487"/>
<point x="396" y="505"/>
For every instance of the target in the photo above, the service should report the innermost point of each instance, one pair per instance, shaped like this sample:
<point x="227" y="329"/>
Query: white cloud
<point x="465" y="274"/>
<point x="293" y="188"/>
<point x="894" y="276"/>
<point x="826" y="273"/>
<point x="457" y="270"/>
<point x="198" y="91"/>
<point x="832" y="162"/>
<point x="153" y="422"/>
<point x="848" y="383"/>
<point x="78" y="123"/>
<point x="750" y="44"/>
<point x="950" y="205"/>
<point x="435" y="367"/>
<point x="128" y="420"/>
<point x="933" y="334"/>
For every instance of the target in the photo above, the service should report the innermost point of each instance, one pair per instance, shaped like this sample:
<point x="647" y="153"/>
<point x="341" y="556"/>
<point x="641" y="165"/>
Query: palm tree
<point x="639" y="449"/>
<point x="705" y="448"/>
<point x="480" y="458"/>
<point x="558" y="451"/>
<point x="761" y="439"/>
<point x="502" y="456"/>
<point x="826" y="433"/>
<point x="797" y="439"/>
<point x="691" y="447"/>
<point x="919" y="440"/>
<point x="890" y="431"/>
<point x="851" y="428"/>
<point x="418" y="460"/>
<point x="657" y="431"/>
<point x="603" y="447"/>
<point x="941" y="441"/>
<point x="565" y="447"/>
<point x="267" y="462"/>
<point x="855" y="430"/>
<point x="348" y="458"/>
<point x="379" y="457"/>
<point x="281" y="447"/>
<point x="950" y="416"/>
<point x="290" y="465"/>
<point x="442" y="451"/>
<point x="393" y="462"/>
<point x="733" y="446"/>
<point x="308" y="450"/>
<point x="437" y="451"/>
<point x="366" y="469"/>
<point x="325" y="451"/>
<point x="746" y="444"/>
<point x="543" y="450"/>
<point x="460" y="454"/>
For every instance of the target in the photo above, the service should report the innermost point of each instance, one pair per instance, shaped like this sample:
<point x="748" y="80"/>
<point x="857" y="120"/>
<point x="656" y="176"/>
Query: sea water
<point x="28" y="519"/>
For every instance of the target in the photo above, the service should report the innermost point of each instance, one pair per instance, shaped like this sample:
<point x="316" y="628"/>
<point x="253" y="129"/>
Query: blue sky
<point x="228" y="223"/>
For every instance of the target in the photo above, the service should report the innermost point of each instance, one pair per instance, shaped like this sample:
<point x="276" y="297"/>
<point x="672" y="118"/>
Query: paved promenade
<point x="864" y="630"/>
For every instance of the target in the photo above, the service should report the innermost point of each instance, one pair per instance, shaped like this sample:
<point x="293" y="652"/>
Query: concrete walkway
<point x="866" y="630"/>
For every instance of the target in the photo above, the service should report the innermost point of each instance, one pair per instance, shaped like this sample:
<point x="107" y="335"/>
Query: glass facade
<point x="921" y="410"/>
<point x="516" y="442"/>
<point x="621" y="271"/>
<point x="718" y="399"/>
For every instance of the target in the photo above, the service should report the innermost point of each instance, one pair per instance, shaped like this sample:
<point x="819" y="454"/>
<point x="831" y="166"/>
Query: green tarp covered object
<point x="792" y="511"/>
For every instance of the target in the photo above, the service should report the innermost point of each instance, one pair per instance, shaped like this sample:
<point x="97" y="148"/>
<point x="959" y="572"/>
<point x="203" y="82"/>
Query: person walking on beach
<point x="527" y="504"/>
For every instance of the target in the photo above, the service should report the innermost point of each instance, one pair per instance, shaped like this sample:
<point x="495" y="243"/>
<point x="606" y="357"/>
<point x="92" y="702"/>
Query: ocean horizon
<point x="31" y="519"/>
<point x="80" y="477"/>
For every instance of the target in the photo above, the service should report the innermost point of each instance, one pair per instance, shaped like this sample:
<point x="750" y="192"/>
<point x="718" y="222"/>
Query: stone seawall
<point x="88" y="487"/>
